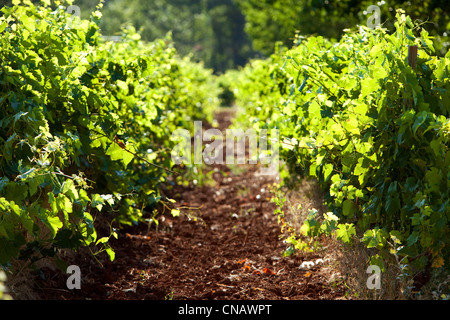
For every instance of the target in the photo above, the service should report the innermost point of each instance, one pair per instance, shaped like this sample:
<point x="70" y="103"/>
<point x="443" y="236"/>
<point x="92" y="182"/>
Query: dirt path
<point x="228" y="249"/>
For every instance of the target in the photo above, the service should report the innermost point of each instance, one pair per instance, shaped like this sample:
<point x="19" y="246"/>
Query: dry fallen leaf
<point x="132" y="236"/>
<point x="246" y="267"/>
<point x="268" y="271"/>
<point x="438" y="262"/>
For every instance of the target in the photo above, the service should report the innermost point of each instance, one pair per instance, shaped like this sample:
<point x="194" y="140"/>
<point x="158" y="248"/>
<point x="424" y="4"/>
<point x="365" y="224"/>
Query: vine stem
<point x="122" y="145"/>
<point x="412" y="61"/>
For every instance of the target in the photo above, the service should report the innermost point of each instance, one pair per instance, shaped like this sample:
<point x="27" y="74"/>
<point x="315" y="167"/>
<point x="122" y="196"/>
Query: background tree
<point x="269" y="21"/>
<point x="211" y="30"/>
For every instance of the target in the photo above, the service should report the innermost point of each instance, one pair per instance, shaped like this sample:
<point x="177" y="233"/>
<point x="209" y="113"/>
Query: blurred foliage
<point x="211" y="30"/>
<point x="270" y="21"/>
<point x="3" y="289"/>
